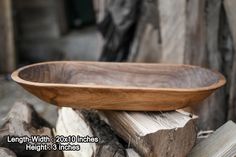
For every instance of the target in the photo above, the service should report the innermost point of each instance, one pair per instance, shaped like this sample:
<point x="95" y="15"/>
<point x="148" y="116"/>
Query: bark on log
<point x="154" y="134"/>
<point x="221" y="143"/>
<point x="7" y="52"/>
<point x="86" y="123"/>
<point x="22" y="120"/>
<point x="4" y="152"/>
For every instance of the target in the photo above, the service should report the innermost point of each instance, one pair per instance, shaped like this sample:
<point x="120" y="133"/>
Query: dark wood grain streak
<point x="118" y="86"/>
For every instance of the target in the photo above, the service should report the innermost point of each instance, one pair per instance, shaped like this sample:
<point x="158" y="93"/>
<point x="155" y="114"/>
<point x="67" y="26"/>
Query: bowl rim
<point x="214" y="86"/>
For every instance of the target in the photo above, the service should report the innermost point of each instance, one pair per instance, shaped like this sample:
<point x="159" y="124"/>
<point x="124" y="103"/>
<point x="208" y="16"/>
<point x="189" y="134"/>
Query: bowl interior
<point x="115" y="74"/>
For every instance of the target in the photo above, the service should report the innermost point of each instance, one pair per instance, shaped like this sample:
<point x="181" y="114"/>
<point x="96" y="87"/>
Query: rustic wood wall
<point x="191" y="32"/>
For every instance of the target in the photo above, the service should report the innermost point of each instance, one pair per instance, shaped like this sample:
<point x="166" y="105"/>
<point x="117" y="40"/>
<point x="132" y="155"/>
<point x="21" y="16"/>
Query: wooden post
<point x="7" y="51"/>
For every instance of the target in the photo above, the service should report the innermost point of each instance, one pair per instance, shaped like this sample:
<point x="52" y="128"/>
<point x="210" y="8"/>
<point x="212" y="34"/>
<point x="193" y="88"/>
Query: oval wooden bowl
<point x="118" y="86"/>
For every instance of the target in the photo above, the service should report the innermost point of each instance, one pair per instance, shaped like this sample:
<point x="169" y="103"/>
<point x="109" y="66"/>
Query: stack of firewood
<point x="114" y="133"/>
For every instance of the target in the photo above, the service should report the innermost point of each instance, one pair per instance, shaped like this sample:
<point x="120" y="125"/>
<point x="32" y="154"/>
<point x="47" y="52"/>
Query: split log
<point x="154" y="134"/>
<point x="221" y="143"/>
<point x="22" y="120"/>
<point x="4" y="152"/>
<point x="86" y="123"/>
<point x="7" y="54"/>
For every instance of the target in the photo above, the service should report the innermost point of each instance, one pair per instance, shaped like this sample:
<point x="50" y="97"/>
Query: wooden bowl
<point x="118" y="86"/>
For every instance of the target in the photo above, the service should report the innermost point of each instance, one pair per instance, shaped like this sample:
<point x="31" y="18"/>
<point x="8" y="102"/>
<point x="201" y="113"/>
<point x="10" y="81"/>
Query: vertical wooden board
<point x="213" y="111"/>
<point x="146" y="45"/>
<point x="161" y="32"/>
<point x="202" y="49"/>
<point x="230" y="11"/>
<point x="7" y="52"/>
<point x="195" y="33"/>
<point x="231" y="16"/>
<point x="173" y="30"/>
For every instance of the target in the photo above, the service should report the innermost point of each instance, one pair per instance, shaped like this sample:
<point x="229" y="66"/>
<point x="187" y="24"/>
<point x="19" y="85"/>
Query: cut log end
<point x="155" y="134"/>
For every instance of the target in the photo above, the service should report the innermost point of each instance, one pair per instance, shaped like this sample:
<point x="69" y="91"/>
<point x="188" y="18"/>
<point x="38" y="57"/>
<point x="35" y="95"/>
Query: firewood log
<point x="155" y="134"/>
<point x="131" y="153"/>
<point x="22" y="120"/>
<point x="85" y="123"/>
<point x="222" y="143"/>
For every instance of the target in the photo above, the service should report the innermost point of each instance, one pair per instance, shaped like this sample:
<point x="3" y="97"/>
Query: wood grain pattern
<point x="222" y="143"/>
<point x="118" y="86"/>
<point x="23" y="120"/>
<point x="155" y="134"/>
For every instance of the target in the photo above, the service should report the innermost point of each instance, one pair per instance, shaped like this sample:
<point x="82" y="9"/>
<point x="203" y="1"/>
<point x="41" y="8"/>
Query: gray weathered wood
<point x="22" y="120"/>
<point x="131" y="153"/>
<point x="154" y="134"/>
<point x="191" y="32"/>
<point x="160" y="32"/>
<point x="231" y="16"/>
<point x="222" y="143"/>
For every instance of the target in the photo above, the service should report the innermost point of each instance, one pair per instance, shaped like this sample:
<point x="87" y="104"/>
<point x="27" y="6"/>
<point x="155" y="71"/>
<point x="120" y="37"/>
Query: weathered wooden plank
<point x="146" y="44"/>
<point x="231" y="15"/>
<point x="222" y="143"/>
<point x="195" y="33"/>
<point x="202" y="49"/>
<point x="173" y="30"/>
<point x="154" y="134"/>
<point x="7" y="51"/>
<point x="160" y="35"/>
